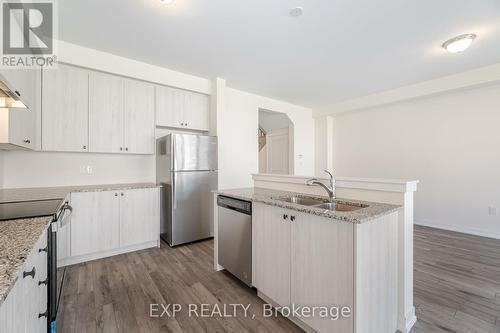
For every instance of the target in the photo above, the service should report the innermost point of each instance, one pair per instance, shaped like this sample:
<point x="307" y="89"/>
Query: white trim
<point x="109" y="253"/>
<point x="458" y="228"/>
<point x="388" y="185"/>
<point x="476" y="77"/>
<point x="411" y="319"/>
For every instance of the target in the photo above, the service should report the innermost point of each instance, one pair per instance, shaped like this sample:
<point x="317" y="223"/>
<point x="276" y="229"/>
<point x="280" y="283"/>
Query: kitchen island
<point x="327" y="269"/>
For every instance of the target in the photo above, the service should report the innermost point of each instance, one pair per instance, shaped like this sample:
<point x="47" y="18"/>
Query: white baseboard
<point x="457" y="228"/>
<point x="410" y="320"/>
<point x="93" y="256"/>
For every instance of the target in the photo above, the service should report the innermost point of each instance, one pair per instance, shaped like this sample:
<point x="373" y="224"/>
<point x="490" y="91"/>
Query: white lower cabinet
<point x="303" y="260"/>
<point x="105" y="223"/>
<point x="24" y="308"/>
<point x="271" y="244"/>
<point x="95" y="222"/>
<point x="139" y="216"/>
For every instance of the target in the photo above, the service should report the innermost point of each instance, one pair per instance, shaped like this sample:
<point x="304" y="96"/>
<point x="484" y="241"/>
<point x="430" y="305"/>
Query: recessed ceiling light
<point x="166" y="2"/>
<point x="459" y="44"/>
<point x="297" y="11"/>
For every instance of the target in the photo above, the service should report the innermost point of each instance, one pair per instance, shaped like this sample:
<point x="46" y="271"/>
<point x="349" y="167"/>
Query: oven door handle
<point x="64" y="217"/>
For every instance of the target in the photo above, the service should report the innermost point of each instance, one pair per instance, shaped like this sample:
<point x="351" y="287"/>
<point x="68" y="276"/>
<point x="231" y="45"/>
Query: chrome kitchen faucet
<point x="330" y="190"/>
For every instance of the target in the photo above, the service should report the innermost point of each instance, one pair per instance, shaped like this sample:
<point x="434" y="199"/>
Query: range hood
<point x="9" y="98"/>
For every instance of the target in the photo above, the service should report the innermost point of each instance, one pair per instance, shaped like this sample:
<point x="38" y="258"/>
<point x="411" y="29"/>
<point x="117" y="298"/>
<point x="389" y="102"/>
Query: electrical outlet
<point x="492" y="211"/>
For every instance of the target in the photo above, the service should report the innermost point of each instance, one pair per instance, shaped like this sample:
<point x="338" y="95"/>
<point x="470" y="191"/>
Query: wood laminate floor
<point x="457" y="289"/>
<point x="114" y="294"/>
<point x="456" y="282"/>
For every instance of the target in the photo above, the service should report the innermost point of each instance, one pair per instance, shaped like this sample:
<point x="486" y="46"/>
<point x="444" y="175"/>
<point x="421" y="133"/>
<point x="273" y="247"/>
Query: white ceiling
<point x="337" y="50"/>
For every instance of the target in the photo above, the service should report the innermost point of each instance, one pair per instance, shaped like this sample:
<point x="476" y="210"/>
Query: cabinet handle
<point x="122" y="194"/>
<point x="292" y="218"/>
<point x="43" y="282"/>
<point x="116" y="194"/>
<point x="17" y="93"/>
<point x="285" y="216"/>
<point x="45" y="314"/>
<point x="27" y="141"/>
<point x="84" y="147"/>
<point x="45" y="249"/>
<point x="30" y="273"/>
<point x="121" y="148"/>
<point x="126" y="149"/>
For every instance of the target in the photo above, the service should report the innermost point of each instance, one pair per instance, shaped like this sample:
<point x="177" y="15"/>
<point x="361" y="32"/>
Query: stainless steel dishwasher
<point x="235" y="237"/>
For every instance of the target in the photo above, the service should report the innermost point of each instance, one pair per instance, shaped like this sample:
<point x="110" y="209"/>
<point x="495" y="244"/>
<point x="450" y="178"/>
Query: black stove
<point x="29" y="209"/>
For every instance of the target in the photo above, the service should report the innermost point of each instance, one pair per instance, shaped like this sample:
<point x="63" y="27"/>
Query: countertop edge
<point x="352" y="217"/>
<point x="5" y="293"/>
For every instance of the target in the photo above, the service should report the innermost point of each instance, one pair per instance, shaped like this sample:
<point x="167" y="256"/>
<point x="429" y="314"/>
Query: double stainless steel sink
<point x="322" y="203"/>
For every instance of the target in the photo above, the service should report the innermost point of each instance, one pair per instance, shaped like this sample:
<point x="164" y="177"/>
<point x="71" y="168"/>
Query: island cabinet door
<point x="322" y="269"/>
<point x="271" y="253"/>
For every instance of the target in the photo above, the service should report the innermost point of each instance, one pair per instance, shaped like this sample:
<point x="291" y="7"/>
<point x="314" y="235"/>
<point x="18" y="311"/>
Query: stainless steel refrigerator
<point x="186" y="167"/>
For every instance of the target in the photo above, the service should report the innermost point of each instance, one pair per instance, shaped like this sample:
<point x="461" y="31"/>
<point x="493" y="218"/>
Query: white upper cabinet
<point x="17" y="128"/>
<point x="65" y="97"/>
<point x="139" y="117"/>
<point x="182" y="109"/>
<point x="196" y="112"/>
<point x="23" y="82"/>
<point x="106" y="113"/>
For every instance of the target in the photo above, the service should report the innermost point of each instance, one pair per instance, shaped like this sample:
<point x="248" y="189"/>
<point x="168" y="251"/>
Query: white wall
<point x="39" y="169"/>
<point x="236" y="128"/>
<point x="238" y="142"/>
<point x="450" y="142"/>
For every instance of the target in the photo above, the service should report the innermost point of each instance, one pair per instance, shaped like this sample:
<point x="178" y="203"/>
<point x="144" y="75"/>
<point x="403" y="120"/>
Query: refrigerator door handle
<point x="174" y="200"/>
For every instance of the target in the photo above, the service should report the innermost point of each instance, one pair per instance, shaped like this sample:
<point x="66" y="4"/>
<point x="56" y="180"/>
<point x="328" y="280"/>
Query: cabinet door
<point x="271" y="252"/>
<point x="169" y="106"/>
<point x="65" y="109"/>
<point x="29" y="294"/>
<point x="139" y="120"/>
<point x="41" y="289"/>
<point x="94" y="222"/>
<point x="106" y="113"/>
<point x="322" y="268"/>
<point x="23" y="82"/>
<point x="13" y="310"/>
<point x="139" y="216"/>
<point x="21" y="127"/>
<point x="196" y="111"/>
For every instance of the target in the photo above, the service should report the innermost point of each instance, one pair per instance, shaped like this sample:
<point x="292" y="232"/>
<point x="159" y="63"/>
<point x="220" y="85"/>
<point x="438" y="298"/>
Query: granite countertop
<point x="271" y="197"/>
<point x="17" y="239"/>
<point x="60" y="192"/>
<point x="18" y="236"/>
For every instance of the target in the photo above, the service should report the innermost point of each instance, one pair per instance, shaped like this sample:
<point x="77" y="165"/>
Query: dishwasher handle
<point x="241" y="206"/>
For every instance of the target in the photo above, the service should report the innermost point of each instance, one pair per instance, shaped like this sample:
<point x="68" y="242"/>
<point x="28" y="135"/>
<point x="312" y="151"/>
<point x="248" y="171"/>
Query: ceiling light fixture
<point x="459" y="44"/>
<point x="297" y="11"/>
<point x="166" y="2"/>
